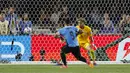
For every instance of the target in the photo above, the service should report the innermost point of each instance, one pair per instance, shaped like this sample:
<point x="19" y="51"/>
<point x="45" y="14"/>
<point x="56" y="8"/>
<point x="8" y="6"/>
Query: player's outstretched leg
<point x="89" y="47"/>
<point x="92" y="54"/>
<point x="64" y="51"/>
<point x="63" y="57"/>
<point x="77" y="54"/>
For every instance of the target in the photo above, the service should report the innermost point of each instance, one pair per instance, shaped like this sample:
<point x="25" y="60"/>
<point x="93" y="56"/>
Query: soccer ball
<point x="27" y="30"/>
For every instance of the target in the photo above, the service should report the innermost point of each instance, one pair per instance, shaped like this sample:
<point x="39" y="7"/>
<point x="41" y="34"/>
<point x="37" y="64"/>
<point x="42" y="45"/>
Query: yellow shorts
<point x="84" y="45"/>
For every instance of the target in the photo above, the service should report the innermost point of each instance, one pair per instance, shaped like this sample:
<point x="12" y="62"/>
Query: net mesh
<point x="50" y="14"/>
<point x="105" y="17"/>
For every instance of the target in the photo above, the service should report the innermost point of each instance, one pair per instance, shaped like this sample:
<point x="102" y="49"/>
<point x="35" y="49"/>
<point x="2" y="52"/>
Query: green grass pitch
<point x="113" y="68"/>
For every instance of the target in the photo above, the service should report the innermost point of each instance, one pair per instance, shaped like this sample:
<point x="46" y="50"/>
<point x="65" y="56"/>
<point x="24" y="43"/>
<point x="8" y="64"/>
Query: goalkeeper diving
<point x="85" y="39"/>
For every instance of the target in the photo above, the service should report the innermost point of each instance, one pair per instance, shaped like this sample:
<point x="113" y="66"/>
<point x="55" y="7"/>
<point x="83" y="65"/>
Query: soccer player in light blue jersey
<point x="69" y="33"/>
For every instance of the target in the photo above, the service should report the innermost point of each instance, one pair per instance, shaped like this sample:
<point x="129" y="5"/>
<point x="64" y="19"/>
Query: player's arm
<point x="58" y="35"/>
<point x="91" y="38"/>
<point x="79" y="32"/>
<point x="90" y="33"/>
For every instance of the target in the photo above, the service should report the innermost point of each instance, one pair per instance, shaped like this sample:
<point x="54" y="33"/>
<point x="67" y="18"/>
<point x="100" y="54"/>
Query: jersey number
<point x="72" y="35"/>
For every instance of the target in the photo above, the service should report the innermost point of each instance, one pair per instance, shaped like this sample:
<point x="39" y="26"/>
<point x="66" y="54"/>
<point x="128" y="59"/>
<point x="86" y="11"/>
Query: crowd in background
<point x="12" y="24"/>
<point x="26" y="16"/>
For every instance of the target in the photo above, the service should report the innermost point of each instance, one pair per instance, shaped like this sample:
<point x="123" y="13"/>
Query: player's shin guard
<point x="63" y="57"/>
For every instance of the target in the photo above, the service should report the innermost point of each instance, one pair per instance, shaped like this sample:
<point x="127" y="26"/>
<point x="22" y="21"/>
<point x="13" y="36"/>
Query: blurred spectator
<point x="42" y="53"/>
<point x="3" y="25"/>
<point x="108" y="26"/>
<point x="25" y="25"/>
<point x="63" y="15"/>
<point x="5" y="11"/>
<point x="55" y="18"/>
<point x="44" y="20"/>
<point x="12" y="18"/>
<point x="128" y="19"/>
<point x="42" y="17"/>
<point x="65" y="9"/>
<point x="126" y="29"/>
<point x="18" y="56"/>
<point x="122" y="23"/>
<point x="95" y="16"/>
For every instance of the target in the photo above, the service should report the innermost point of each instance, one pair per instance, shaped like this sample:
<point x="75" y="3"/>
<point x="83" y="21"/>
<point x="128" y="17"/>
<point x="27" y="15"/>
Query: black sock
<point x="82" y="59"/>
<point x="63" y="57"/>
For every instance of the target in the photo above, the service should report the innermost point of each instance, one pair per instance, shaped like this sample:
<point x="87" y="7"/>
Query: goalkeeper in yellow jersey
<point x="85" y="39"/>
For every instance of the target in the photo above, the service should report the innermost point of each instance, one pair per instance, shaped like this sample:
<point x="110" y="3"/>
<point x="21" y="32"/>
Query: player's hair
<point x="67" y="21"/>
<point x="82" y="20"/>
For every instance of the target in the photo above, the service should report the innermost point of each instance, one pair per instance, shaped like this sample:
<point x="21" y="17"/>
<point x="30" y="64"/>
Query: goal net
<point x="34" y="41"/>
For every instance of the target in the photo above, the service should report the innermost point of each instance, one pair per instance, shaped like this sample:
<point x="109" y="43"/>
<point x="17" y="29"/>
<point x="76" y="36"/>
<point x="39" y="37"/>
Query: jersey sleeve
<point x="89" y="31"/>
<point x="61" y="31"/>
<point x="76" y="29"/>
